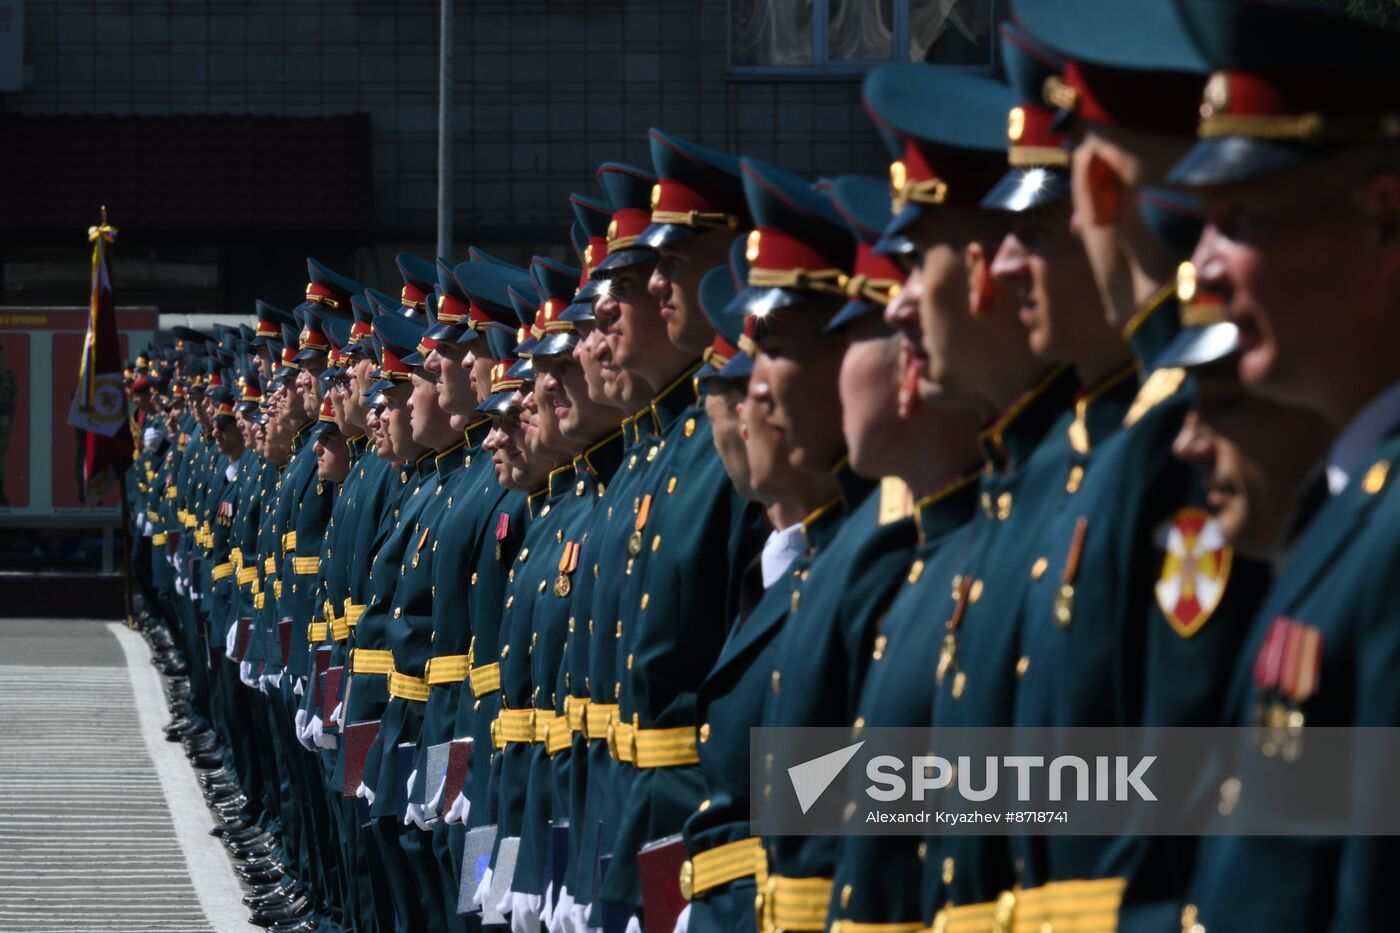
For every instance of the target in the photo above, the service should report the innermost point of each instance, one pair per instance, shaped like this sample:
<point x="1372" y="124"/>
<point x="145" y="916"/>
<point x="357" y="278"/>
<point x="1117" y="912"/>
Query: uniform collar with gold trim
<point x="602" y="459"/>
<point x="668" y="404"/>
<point x="946" y="508"/>
<point x="1017" y="431"/>
<point x="1153" y="327"/>
<point x="446" y="463"/>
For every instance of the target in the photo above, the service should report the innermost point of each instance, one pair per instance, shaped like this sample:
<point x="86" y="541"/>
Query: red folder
<point x="240" y="644"/>
<point x="459" y="757"/>
<point x="659" y="869"/>
<point x="330" y="694"/>
<point x="358" y="738"/>
<point x="284" y="637"/>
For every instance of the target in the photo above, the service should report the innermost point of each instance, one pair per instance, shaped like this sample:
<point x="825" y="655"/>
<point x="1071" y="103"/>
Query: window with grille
<point x="822" y="37"/>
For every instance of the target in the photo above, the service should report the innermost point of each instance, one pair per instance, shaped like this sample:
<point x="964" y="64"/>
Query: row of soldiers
<point x="482" y="587"/>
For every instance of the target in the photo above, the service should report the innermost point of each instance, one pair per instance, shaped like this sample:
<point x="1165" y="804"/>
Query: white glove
<point x="634" y="925"/>
<point x="507" y="903"/>
<point x="683" y="921"/>
<point x="335" y="713"/>
<point x="231" y="640"/>
<point x="299" y="686"/>
<point x="272" y="678"/>
<point x="483" y="888"/>
<point x="416" y="816"/>
<point x="302" y="735"/>
<point x="525" y="913"/>
<point x="245" y="673"/>
<point x="179" y="586"/>
<point x="547" y="911"/>
<point x="150" y="439"/>
<point x="561" y="920"/>
<point x="457" y="813"/>
<point x="364" y="792"/>
<point x="318" y="733"/>
<point x="579" y="914"/>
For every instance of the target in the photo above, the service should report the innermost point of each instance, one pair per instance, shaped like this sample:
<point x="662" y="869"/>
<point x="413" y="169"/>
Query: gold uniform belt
<point x="705" y="871"/>
<point x="655" y="748"/>
<point x="408" y="687"/>
<point x="270" y="565"/>
<point x="289" y="542"/>
<point x="557" y="734"/>
<point x="485" y="678"/>
<point x="305" y="566"/>
<point x="353" y="611"/>
<point x="158" y="538"/>
<point x="446" y="669"/>
<point x="259" y="600"/>
<point x="340" y="630"/>
<point x="855" y="926"/>
<point x="316" y="632"/>
<point x="513" y="725"/>
<point x="247" y="575"/>
<point x="596" y="719"/>
<point x="366" y="661"/>
<point x="1062" y="906"/>
<point x="793" y="903"/>
<point x="576" y="712"/>
<point x="221" y="571"/>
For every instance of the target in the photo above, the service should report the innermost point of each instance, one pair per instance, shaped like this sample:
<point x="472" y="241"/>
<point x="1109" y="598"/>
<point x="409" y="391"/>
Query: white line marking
<point x="218" y="890"/>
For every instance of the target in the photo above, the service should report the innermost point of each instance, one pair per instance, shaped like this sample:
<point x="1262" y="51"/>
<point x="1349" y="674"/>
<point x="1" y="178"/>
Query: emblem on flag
<point x="1195" y="569"/>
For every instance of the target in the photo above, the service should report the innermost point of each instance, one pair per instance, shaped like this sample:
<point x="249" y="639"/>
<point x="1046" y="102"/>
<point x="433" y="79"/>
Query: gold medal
<point x="1064" y="599"/>
<point x="634" y="543"/>
<point x="562" y="586"/>
<point x="945" y="657"/>
<point x="1064" y="605"/>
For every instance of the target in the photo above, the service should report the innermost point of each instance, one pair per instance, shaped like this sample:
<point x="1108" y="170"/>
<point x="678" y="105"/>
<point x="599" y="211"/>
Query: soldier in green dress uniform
<point x="1296" y="168"/>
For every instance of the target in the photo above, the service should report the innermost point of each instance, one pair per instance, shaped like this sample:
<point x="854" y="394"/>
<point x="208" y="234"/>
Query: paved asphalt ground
<point x="102" y="826"/>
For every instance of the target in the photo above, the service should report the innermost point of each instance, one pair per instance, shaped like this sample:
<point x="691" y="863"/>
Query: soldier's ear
<point x="981" y="285"/>
<point x="1106" y="189"/>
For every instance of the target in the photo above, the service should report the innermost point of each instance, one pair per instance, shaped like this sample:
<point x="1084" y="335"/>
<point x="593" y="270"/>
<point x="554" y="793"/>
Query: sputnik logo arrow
<point x="811" y="778"/>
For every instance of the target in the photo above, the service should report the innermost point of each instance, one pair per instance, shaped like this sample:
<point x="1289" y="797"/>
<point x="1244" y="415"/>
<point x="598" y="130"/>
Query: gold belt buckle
<point x="1004" y="912"/>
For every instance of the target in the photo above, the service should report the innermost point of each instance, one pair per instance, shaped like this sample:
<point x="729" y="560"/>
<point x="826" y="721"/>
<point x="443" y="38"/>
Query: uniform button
<point x="629" y="660"/>
<point x="671" y="485"/>
<point x="619" y="628"/>
<point x="646" y="598"/>
<point x="704" y="732"/>
<point x="1038" y="568"/>
<point x="571" y="625"/>
<point x="845" y="896"/>
<point x="1190" y="920"/>
<point x="505" y="652"/>
<point x="1004" y="506"/>
<point x="655" y="543"/>
<point x="880" y="642"/>
<point x="974" y="593"/>
<point x="1076" y="479"/>
<point x="397" y="612"/>
<point x="1229" y="795"/>
<point x="923" y="851"/>
<point x="777" y="679"/>
<point x="1022" y="666"/>
<point x="948" y="870"/>
<point x="541" y="587"/>
<point x="704" y="805"/>
<point x="959" y="685"/>
<point x="916" y="571"/>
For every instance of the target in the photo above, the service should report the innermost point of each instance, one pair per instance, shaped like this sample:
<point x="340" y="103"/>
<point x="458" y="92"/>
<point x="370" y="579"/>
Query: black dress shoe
<point x="293" y="910"/>
<point x="261" y="890"/>
<point x="247" y="834"/>
<point x="208" y="760"/>
<point x="250" y="842"/>
<point x="308" y="924"/>
<point x="255" y="852"/>
<point x="260" y="865"/>
<point x="232" y="827"/>
<point x="279" y="898"/>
